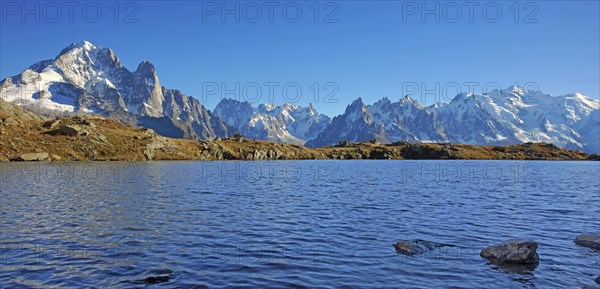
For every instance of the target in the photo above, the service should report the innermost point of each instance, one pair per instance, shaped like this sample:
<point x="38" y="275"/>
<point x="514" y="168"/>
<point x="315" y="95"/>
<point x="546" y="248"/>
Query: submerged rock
<point x="591" y="241"/>
<point x="156" y="279"/>
<point x="413" y="247"/>
<point x="597" y="280"/>
<point x="158" y="276"/>
<point x="32" y="157"/>
<point x="513" y="251"/>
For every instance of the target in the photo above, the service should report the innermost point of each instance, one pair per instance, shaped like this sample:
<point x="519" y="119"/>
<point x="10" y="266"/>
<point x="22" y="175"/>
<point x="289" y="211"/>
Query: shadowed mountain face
<point x="85" y="78"/>
<point x="509" y="116"/>
<point x="356" y="124"/>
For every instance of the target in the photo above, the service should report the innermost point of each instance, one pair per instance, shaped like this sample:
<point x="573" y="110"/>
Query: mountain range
<point x="287" y="123"/>
<point x="501" y="117"/>
<point x="87" y="79"/>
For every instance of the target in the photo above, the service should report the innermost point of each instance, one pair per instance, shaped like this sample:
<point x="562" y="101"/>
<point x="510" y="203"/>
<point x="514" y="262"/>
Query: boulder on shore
<point x="32" y="157"/>
<point x="591" y="241"/>
<point x="514" y="251"/>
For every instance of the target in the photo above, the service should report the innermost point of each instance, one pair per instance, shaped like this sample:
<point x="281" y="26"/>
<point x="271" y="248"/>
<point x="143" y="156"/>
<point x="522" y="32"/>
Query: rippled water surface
<point x="293" y="224"/>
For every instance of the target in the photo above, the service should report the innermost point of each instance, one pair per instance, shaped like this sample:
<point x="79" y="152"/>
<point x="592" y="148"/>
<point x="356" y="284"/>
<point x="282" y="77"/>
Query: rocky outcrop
<point x="32" y="157"/>
<point x="51" y="124"/>
<point x="513" y="251"/>
<point x="156" y="143"/>
<point x="591" y="241"/>
<point x="413" y="247"/>
<point x="70" y="130"/>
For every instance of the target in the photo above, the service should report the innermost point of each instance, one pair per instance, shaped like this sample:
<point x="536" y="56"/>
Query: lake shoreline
<point x="27" y="137"/>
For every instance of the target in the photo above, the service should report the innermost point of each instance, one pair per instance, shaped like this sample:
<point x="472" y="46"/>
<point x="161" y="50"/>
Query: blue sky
<point x="375" y="48"/>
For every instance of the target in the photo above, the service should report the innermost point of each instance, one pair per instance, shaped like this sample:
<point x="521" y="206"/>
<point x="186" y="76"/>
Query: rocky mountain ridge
<point x="501" y="117"/>
<point x="85" y="79"/>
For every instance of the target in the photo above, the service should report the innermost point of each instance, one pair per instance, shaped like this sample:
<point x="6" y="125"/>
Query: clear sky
<point x="367" y="49"/>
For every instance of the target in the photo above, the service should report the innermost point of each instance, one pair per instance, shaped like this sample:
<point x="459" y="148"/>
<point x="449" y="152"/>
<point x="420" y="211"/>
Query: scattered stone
<point x="343" y="144"/>
<point x="100" y="137"/>
<point x="380" y="155"/>
<point x="70" y="130"/>
<point x="150" y="131"/>
<point x="515" y="251"/>
<point x="51" y="124"/>
<point x="591" y="241"/>
<point x="259" y="155"/>
<point x="55" y="157"/>
<point x="274" y="154"/>
<point x="88" y="123"/>
<point x="375" y="141"/>
<point x="9" y="121"/>
<point x="413" y="247"/>
<point x="32" y="157"/>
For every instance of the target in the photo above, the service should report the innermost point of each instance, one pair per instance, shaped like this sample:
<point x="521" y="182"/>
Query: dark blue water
<point x="293" y="224"/>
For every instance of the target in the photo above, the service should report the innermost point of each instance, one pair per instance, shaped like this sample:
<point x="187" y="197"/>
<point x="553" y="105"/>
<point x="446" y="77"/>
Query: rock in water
<point x="588" y="240"/>
<point x="32" y="157"/>
<point x="413" y="247"/>
<point x="597" y="280"/>
<point x="515" y="251"/>
<point x="156" y="279"/>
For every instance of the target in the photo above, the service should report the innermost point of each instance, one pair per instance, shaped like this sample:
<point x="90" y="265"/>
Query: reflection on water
<point x="303" y="224"/>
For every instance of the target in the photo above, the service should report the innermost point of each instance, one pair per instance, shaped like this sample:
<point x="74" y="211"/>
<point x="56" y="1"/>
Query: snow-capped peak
<point x="82" y="45"/>
<point x="85" y="45"/>
<point x="517" y="89"/>
<point x="88" y="78"/>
